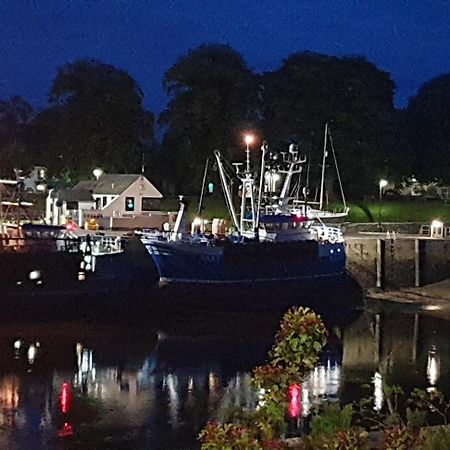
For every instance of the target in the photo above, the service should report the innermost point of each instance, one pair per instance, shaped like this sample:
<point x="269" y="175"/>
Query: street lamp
<point x="248" y="139"/>
<point x="381" y="184"/>
<point x="97" y="172"/>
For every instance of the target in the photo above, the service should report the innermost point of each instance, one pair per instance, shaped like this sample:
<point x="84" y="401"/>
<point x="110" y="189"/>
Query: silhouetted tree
<point x="15" y="115"/>
<point x="350" y="93"/>
<point x="427" y="130"/>
<point x="95" y="118"/>
<point x="213" y="100"/>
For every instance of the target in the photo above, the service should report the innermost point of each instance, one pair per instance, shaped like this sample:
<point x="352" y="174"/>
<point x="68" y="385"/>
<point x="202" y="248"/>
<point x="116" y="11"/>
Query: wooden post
<point x="377" y="338"/>
<point x="415" y="337"/>
<point x="381" y="250"/>
<point x="418" y="261"/>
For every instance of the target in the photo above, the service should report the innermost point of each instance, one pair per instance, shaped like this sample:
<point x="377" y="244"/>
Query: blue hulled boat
<point x="223" y="261"/>
<point x="276" y="238"/>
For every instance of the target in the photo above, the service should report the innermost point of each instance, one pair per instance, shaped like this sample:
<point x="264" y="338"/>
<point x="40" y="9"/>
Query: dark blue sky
<point x="409" y="39"/>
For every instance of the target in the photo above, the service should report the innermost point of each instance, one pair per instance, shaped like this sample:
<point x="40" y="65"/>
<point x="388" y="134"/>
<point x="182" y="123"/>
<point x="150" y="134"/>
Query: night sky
<point x="409" y="39"/>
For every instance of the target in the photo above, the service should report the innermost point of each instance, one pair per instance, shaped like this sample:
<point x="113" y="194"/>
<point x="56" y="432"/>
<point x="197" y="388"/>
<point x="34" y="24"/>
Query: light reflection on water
<point x="165" y="389"/>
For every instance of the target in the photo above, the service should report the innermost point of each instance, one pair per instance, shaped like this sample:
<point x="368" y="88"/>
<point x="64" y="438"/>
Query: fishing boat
<point x="275" y="237"/>
<point x="49" y="265"/>
<point x="44" y="265"/>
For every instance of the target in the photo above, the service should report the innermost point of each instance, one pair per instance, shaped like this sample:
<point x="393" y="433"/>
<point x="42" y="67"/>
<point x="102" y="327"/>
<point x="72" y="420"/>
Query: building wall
<point x="139" y="189"/>
<point x="100" y="197"/>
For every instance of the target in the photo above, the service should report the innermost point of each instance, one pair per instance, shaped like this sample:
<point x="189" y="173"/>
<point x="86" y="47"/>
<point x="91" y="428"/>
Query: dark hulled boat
<point x="224" y="262"/>
<point x="44" y="266"/>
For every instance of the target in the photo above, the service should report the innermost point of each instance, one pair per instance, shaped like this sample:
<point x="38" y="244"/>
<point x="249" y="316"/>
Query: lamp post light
<point x="381" y="184"/>
<point x="248" y="139"/>
<point x="97" y="172"/>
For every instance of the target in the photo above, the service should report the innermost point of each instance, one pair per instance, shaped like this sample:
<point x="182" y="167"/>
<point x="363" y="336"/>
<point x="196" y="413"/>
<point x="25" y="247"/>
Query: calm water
<point x="153" y="386"/>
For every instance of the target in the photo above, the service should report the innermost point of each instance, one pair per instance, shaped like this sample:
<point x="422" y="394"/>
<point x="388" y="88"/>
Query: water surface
<point x="154" y="385"/>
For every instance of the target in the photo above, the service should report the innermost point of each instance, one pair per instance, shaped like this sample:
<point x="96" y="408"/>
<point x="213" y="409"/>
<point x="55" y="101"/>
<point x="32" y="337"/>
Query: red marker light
<point x="71" y="226"/>
<point x="66" y="430"/>
<point x="295" y="404"/>
<point x="65" y="398"/>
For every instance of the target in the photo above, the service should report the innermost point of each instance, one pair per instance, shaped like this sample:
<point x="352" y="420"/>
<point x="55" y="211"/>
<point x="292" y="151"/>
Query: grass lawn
<point x="400" y="211"/>
<point x="387" y="211"/>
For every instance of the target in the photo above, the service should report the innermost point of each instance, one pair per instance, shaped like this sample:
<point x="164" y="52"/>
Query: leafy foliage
<point x="227" y="436"/>
<point x="15" y="116"/>
<point x="331" y="419"/>
<point x="426" y="124"/>
<point x="95" y="118"/>
<point x="213" y="100"/>
<point x="350" y="93"/>
<point x="436" y="438"/>
<point x="298" y="342"/>
<point x="343" y="439"/>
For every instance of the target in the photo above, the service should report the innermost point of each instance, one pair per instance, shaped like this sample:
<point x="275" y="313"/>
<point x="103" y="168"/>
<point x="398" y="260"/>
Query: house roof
<point x="74" y="195"/>
<point x="107" y="184"/>
<point x="113" y="184"/>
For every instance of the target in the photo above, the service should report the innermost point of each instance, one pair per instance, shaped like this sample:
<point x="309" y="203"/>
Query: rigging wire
<point x="337" y="169"/>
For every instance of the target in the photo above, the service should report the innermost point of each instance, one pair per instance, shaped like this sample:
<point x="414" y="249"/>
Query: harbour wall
<point x="398" y="263"/>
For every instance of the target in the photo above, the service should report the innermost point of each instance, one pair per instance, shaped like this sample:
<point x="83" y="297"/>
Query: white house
<point x="114" y="201"/>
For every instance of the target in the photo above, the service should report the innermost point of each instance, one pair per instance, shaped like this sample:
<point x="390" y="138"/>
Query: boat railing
<point x="154" y="235"/>
<point x="326" y="233"/>
<point x="102" y="244"/>
<point x="25" y="240"/>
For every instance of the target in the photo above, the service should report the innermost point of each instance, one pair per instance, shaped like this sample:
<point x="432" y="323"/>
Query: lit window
<point x="129" y="203"/>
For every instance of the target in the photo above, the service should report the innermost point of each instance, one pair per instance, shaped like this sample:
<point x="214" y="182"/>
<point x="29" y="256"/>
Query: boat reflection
<point x="433" y="366"/>
<point x="167" y="387"/>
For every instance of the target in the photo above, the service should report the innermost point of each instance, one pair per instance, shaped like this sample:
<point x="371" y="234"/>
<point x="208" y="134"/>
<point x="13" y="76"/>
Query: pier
<point x="392" y="260"/>
<point x="407" y="268"/>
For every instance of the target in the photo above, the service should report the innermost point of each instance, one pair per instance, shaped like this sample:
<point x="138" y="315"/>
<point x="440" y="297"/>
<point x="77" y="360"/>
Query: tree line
<point x="95" y="117"/>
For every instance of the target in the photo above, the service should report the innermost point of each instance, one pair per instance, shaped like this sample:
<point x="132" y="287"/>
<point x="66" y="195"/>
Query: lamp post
<point x="97" y="172"/>
<point x="381" y="184"/>
<point x="249" y="139"/>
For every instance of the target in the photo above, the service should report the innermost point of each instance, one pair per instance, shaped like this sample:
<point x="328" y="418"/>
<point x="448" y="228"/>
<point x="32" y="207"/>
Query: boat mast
<point x="176" y="228"/>
<point x="293" y="161"/>
<point x="338" y="174"/>
<point x="200" y="202"/>
<point x="226" y="190"/>
<point x="264" y="148"/>
<point x="248" y="182"/>
<point x="322" y="181"/>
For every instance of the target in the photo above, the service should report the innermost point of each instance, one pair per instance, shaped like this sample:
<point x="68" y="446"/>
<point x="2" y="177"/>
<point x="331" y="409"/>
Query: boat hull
<point x="56" y="281"/>
<point x="183" y="263"/>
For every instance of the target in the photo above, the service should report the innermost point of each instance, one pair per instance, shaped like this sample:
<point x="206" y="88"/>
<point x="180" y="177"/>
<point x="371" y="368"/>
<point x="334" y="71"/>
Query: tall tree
<point x="95" y="118"/>
<point x="427" y="130"/>
<point x="15" y="115"/>
<point x="213" y="101"/>
<point x="351" y="94"/>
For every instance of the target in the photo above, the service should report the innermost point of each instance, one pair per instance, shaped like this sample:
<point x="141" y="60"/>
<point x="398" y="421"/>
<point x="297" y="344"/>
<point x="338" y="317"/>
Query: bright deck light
<point x="249" y="139"/>
<point x="437" y="223"/>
